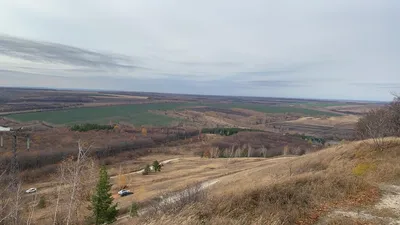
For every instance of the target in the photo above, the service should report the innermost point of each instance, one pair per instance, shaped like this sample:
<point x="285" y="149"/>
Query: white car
<point x="121" y="191"/>
<point x="124" y="192"/>
<point x="31" y="190"/>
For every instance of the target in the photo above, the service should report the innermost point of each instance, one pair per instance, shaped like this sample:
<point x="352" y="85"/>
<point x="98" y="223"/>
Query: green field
<point x="139" y="114"/>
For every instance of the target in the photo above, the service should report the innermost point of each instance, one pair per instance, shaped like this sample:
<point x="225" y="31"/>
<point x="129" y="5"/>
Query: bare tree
<point x="264" y="151"/>
<point x="249" y="150"/>
<point x="286" y="150"/>
<point x="375" y="125"/>
<point x="238" y="152"/>
<point x="76" y="181"/>
<point x="32" y="207"/>
<point x="394" y="109"/>
<point x="5" y="200"/>
<point x="15" y="210"/>
<point x="232" y="152"/>
<point x="60" y="183"/>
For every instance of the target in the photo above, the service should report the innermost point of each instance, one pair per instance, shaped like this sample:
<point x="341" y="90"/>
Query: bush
<point x="133" y="211"/>
<point x="146" y="170"/>
<point x="42" y="202"/>
<point x="362" y="168"/>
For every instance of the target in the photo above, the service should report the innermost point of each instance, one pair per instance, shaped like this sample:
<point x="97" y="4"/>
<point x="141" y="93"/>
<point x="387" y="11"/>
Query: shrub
<point x="42" y="202"/>
<point x="146" y="170"/>
<point x="133" y="211"/>
<point x="362" y="168"/>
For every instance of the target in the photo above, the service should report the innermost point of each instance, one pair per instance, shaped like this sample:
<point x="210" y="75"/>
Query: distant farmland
<point x="139" y="114"/>
<point x="275" y="109"/>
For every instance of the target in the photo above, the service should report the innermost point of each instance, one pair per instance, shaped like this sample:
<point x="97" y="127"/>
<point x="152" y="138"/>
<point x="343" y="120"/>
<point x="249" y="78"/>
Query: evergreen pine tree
<point x="103" y="209"/>
<point x="156" y="166"/>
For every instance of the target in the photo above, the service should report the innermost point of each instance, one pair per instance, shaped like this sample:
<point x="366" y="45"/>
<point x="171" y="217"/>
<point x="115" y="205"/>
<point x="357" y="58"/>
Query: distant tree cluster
<point x="380" y="123"/>
<point x="90" y="126"/>
<point x="224" y="131"/>
<point x="313" y="139"/>
<point x="247" y="150"/>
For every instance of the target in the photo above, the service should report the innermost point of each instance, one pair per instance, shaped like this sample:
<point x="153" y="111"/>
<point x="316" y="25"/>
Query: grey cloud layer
<point x="326" y="49"/>
<point x="56" y="53"/>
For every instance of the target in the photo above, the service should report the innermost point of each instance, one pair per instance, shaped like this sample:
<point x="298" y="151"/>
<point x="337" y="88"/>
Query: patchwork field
<point x="144" y="114"/>
<point x="275" y="109"/>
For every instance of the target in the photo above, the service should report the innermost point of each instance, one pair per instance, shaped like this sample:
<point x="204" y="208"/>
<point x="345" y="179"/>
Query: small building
<point x="4" y="129"/>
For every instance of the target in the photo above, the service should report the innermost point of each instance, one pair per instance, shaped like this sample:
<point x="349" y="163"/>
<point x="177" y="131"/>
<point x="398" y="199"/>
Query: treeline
<point x="313" y="139"/>
<point x="38" y="163"/>
<point x="224" y="131"/>
<point x="90" y="126"/>
<point x="248" y="151"/>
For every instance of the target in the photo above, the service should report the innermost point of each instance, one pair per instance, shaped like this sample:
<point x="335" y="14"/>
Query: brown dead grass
<point x="296" y="191"/>
<point x="352" y="221"/>
<point x="330" y="121"/>
<point x="178" y="175"/>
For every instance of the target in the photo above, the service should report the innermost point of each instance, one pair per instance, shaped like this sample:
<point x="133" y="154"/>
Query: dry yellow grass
<point x="294" y="191"/>
<point x="281" y="190"/>
<point x="330" y="121"/>
<point x="183" y="173"/>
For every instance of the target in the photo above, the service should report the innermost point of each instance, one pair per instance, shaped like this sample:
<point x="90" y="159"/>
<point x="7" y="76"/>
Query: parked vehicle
<point x="124" y="192"/>
<point x="31" y="190"/>
<point x="120" y="192"/>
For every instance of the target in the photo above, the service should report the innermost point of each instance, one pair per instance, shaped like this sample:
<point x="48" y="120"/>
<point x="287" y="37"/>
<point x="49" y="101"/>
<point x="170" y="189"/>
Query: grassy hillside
<point x="304" y="190"/>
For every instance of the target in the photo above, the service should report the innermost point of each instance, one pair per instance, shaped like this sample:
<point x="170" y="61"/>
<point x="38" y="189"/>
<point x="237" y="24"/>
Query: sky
<point x="342" y="49"/>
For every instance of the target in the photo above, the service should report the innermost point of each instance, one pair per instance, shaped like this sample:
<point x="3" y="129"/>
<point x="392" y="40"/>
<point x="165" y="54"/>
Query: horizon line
<point x="188" y="94"/>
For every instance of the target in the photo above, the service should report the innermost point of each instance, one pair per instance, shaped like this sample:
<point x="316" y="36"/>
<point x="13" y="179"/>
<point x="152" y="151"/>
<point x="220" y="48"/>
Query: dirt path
<point x="53" y="188"/>
<point x="174" y="198"/>
<point x="141" y="171"/>
<point x="221" y="180"/>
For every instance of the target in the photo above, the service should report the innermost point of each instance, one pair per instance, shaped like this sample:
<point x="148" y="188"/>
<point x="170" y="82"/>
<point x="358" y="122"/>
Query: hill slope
<point x="345" y="184"/>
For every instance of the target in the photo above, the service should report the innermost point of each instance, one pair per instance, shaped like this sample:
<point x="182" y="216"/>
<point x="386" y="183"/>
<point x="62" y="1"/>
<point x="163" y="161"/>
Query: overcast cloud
<point x="342" y="49"/>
